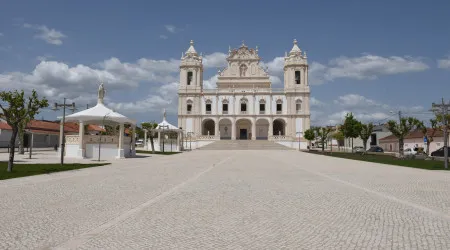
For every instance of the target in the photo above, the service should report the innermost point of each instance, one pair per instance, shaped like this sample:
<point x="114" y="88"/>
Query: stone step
<point x="244" y="145"/>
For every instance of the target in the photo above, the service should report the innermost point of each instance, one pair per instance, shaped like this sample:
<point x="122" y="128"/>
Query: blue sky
<point x="368" y="57"/>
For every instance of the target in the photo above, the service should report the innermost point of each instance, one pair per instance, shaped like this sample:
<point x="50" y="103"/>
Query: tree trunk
<point x="323" y="145"/>
<point x="400" y="146"/>
<point x="21" y="142"/>
<point x="12" y="147"/>
<point x="352" y="144"/>
<point x="365" y="145"/>
<point x="151" y="143"/>
<point x="428" y="147"/>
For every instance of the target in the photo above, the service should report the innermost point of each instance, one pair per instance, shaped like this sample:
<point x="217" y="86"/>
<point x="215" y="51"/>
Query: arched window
<point x="224" y="106"/>
<point x="208" y="106"/>
<point x="262" y="106"/>
<point x="189" y="106"/>
<point x="279" y="106"/>
<point x="244" y="105"/>
<point x="298" y="105"/>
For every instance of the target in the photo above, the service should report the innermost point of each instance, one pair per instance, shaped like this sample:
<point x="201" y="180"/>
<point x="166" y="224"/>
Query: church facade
<point x="244" y="106"/>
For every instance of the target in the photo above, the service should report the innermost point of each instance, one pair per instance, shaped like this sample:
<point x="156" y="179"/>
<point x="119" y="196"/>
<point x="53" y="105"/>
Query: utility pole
<point x="55" y="108"/>
<point x="442" y="110"/>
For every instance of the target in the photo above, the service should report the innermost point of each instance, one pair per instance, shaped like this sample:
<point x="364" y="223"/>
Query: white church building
<point x="244" y="106"/>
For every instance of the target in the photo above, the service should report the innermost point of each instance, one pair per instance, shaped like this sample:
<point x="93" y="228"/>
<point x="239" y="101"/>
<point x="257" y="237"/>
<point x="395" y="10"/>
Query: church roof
<point x="295" y="49"/>
<point x="191" y="49"/>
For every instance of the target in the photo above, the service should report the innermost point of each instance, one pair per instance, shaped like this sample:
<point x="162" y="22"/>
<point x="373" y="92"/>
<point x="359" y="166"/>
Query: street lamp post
<point x="55" y="108"/>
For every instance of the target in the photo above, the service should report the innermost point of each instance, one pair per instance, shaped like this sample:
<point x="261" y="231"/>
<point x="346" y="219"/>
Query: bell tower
<point x="295" y="69"/>
<point x="191" y="70"/>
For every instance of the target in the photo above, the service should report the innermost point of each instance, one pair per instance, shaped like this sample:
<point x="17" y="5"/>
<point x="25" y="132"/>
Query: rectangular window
<point x="189" y="108"/>
<point x="298" y="107"/>
<point x="297" y="77"/>
<point x="225" y="108"/>
<point x="279" y="107"/>
<point x="243" y="107"/>
<point x="208" y="108"/>
<point x="189" y="78"/>
<point x="262" y="108"/>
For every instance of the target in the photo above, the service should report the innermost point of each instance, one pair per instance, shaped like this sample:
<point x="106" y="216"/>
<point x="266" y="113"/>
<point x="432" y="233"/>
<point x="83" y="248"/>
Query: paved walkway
<point x="229" y="200"/>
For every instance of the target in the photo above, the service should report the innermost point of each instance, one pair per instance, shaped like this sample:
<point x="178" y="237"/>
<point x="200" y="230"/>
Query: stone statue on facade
<point x="243" y="70"/>
<point x="101" y="93"/>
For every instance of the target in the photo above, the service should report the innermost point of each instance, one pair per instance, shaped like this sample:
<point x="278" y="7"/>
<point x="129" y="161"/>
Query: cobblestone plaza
<point x="216" y="199"/>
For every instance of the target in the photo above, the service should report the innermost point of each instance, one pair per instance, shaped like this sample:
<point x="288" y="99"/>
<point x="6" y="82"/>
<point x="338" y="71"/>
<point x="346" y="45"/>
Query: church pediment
<point x="243" y="63"/>
<point x="243" y="53"/>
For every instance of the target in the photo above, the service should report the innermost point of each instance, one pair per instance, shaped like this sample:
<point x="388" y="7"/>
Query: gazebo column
<point x="80" y="139"/>
<point x="133" y="142"/>
<point x="120" y="151"/>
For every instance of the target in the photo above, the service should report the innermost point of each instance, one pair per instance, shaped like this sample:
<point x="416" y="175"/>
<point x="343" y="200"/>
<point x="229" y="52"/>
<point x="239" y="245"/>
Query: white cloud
<point x="164" y="97"/>
<point x="358" y="101"/>
<point x="215" y="60"/>
<point x="51" y="36"/>
<point x="163" y="37"/>
<point x="313" y="102"/>
<point x="170" y="28"/>
<point x="44" y="57"/>
<point x="366" y="67"/>
<point x="210" y="83"/>
<point x="444" y="63"/>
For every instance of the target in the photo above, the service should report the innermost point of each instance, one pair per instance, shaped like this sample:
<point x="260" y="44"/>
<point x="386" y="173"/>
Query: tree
<point x="22" y="125"/>
<point x="402" y="129"/>
<point x="309" y="135"/>
<point x="428" y="135"/>
<point x="351" y="127"/>
<point x="339" y="137"/>
<point x="18" y="109"/>
<point x="322" y="135"/>
<point x="365" y="132"/>
<point x="139" y="132"/>
<point x="150" y="127"/>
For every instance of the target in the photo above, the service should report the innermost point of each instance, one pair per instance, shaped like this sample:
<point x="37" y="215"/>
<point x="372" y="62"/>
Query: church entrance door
<point x="243" y="134"/>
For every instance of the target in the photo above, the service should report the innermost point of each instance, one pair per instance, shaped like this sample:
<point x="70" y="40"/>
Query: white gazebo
<point x="165" y="141"/>
<point x="106" y="146"/>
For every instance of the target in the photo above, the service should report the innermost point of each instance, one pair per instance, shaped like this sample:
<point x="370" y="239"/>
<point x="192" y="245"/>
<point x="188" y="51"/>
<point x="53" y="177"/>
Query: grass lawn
<point x="157" y="152"/>
<point x="387" y="159"/>
<point x="22" y="170"/>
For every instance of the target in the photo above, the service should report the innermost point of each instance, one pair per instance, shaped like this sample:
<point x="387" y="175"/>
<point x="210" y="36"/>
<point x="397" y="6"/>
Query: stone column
<point x="178" y="141"/>
<point x="133" y="141"/>
<point x="120" y="151"/>
<point x="80" y="139"/>
<point x="233" y="129"/>
<point x="253" y="129"/>
<point x="216" y="127"/>
<point x="194" y="75"/>
<point x="270" y="127"/>
<point x="306" y="76"/>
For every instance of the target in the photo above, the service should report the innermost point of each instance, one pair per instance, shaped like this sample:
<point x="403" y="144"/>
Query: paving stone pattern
<point x="229" y="200"/>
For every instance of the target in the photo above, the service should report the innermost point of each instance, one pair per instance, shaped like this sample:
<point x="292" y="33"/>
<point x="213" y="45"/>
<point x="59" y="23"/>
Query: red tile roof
<point x="41" y="126"/>
<point x="416" y="134"/>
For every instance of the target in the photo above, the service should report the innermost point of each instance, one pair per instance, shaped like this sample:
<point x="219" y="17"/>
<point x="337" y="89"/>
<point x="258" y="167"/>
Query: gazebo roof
<point x="166" y="125"/>
<point x="100" y="113"/>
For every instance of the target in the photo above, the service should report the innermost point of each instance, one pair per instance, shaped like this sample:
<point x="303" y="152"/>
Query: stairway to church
<point x="244" y="145"/>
